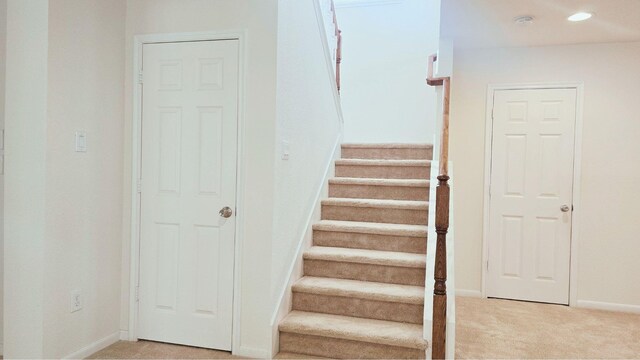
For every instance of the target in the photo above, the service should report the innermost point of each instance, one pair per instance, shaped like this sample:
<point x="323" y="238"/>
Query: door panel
<point x="189" y="150"/>
<point x="531" y="179"/>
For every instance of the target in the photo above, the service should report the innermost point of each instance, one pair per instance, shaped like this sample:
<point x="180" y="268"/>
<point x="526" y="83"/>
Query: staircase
<point x="362" y="294"/>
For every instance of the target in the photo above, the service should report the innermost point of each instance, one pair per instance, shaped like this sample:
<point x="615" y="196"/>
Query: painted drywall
<point x="65" y="70"/>
<point x="608" y="227"/>
<point x="259" y="19"/>
<point x="3" y="54"/>
<point x="25" y="165"/>
<point x="84" y="190"/>
<point x="308" y="121"/>
<point x="385" y="50"/>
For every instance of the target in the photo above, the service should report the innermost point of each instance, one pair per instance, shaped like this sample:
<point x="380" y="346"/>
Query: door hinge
<point x="140" y="77"/>
<point x="139" y="186"/>
<point x="487" y="264"/>
<point x="137" y="293"/>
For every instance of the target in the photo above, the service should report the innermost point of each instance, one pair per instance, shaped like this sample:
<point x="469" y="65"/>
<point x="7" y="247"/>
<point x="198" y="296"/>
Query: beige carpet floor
<point x="485" y="329"/>
<point x="503" y="329"/>
<point x="154" y="350"/>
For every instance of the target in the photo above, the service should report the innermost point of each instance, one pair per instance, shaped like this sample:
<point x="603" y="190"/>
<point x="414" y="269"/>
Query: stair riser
<point x="375" y="214"/>
<point x="379" y="192"/>
<point x="387" y="154"/>
<point x="344" y="349"/>
<point x="416" y="245"/>
<point x="362" y="308"/>
<point x="382" y="171"/>
<point x="365" y="272"/>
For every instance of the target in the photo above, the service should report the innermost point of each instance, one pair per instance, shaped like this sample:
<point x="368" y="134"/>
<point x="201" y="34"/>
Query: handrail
<point x="439" y="330"/>
<point x="338" y="34"/>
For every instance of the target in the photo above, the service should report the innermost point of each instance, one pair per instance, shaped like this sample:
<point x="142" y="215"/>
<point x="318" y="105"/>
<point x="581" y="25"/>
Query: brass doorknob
<point x="226" y="212"/>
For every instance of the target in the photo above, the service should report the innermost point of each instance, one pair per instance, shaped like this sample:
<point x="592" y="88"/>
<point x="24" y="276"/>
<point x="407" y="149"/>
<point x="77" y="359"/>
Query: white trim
<point x="308" y="223"/>
<point x="577" y="174"/>
<point x="363" y="3"/>
<point x="249" y="352"/>
<point x="597" y="305"/>
<point x="240" y="186"/>
<point x="139" y="41"/>
<point x="94" y="347"/>
<point x="284" y="303"/>
<point x="469" y="293"/>
<point x="124" y="335"/>
<point x="577" y="203"/>
<point x="328" y="60"/>
<point x="1" y="349"/>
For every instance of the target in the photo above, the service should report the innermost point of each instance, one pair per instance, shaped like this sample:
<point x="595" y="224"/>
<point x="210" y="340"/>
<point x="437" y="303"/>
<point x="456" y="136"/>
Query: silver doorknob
<point x="565" y="208"/>
<point x="226" y="212"/>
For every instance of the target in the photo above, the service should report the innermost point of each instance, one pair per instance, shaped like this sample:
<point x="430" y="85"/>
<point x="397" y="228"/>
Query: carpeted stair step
<point x="383" y="169"/>
<point x="393" y="189"/>
<point x="362" y="294"/>
<point x="347" y="337"/>
<point x="379" y="211"/>
<point x="365" y="265"/>
<point x="372" y="236"/>
<point x="387" y="151"/>
<point x="288" y="355"/>
<point x="363" y="299"/>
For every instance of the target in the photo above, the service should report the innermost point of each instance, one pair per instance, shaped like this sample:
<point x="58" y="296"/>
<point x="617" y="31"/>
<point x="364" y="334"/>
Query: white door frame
<point x="491" y="89"/>
<point x="136" y="161"/>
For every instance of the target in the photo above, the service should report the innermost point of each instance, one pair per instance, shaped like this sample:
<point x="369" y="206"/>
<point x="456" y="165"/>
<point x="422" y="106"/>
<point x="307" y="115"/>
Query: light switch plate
<point x="81" y="141"/>
<point x="76" y="300"/>
<point x="285" y="150"/>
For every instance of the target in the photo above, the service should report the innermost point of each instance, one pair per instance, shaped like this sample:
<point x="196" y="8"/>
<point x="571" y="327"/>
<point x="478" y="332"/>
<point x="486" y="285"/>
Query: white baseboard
<point x="597" y="305"/>
<point x="1" y="349"/>
<point x="469" y="293"/>
<point x="94" y="347"/>
<point x="248" y="352"/>
<point x="307" y="227"/>
<point x="124" y="335"/>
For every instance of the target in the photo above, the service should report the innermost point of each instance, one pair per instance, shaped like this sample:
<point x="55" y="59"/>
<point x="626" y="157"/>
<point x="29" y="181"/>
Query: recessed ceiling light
<point x="524" y="20"/>
<point x="580" y="16"/>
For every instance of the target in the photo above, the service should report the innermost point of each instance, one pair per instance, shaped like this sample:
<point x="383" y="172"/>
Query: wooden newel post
<point x="439" y="330"/>
<point x="440" y="274"/>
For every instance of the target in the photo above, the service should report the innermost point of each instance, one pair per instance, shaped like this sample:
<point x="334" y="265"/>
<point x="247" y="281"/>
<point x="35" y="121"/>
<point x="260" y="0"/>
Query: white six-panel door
<point x="189" y="147"/>
<point x="532" y="160"/>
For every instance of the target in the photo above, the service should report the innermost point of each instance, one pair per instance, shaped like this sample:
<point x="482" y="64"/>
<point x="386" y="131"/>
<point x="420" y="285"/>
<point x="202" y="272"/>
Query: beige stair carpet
<point x="362" y="294"/>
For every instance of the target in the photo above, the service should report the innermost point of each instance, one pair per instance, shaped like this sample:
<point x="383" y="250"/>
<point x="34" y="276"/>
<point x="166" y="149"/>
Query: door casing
<point x="136" y="162"/>
<point x="491" y="89"/>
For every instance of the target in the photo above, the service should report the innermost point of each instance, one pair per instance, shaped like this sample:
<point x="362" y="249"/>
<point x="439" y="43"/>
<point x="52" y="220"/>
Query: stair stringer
<point x="283" y="305"/>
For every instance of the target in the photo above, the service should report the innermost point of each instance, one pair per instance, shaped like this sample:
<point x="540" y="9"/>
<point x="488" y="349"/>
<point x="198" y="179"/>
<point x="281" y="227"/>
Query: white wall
<point x="84" y="190"/>
<point x="3" y="54"/>
<point x="63" y="209"/>
<point x="308" y="119"/>
<point x="259" y="19"/>
<point x="608" y="226"/>
<point x="385" y="49"/>
<point x="24" y="203"/>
